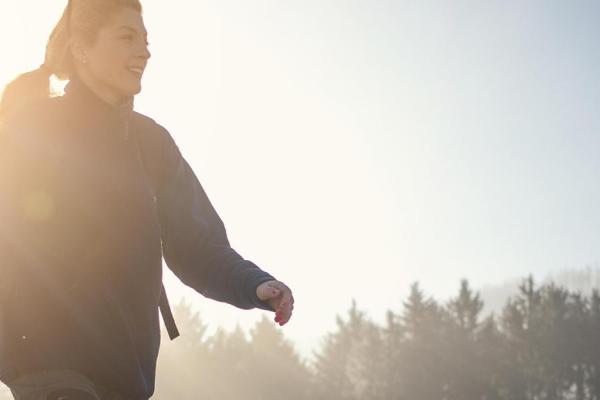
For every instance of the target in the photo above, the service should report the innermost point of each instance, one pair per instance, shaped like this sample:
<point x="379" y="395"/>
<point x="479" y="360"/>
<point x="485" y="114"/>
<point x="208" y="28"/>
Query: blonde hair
<point x="82" y="19"/>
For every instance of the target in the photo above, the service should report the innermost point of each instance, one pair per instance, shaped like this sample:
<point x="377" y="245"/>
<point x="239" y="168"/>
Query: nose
<point x="146" y="54"/>
<point x="143" y="52"/>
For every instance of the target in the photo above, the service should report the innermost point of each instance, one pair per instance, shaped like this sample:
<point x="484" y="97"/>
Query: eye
<point x="127" y="37"/>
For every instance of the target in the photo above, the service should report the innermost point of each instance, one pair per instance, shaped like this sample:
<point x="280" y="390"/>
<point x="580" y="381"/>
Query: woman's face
<point x="115" y="63"/>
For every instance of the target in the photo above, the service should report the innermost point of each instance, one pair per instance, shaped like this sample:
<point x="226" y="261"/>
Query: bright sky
<point x="353" y="147"/>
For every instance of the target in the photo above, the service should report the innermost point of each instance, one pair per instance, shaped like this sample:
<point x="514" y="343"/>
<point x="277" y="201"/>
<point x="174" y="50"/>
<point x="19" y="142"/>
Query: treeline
<point x="543" y="345"/>
<point x="228" y="365"/>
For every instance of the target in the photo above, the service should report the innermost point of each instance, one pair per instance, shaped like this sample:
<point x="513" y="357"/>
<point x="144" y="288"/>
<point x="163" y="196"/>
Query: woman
<point x="93" y="196"/>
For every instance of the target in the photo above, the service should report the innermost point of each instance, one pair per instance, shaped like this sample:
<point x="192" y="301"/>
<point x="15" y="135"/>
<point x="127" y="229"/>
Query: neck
<point x="103" y="92"/>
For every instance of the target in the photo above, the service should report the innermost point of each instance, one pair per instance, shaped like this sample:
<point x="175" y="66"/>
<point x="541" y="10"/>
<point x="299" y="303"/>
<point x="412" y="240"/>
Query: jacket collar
<point x="88" y="100"/>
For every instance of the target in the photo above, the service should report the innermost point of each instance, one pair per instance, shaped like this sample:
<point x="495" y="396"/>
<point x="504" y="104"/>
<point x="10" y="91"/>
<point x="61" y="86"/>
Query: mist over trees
<point x="582" y="280"/>
<point x="543" y="344"/>
<point x="228" y="365"/>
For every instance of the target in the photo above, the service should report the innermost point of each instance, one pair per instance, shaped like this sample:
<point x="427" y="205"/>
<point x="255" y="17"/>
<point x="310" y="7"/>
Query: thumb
<point x="266" y="291"/>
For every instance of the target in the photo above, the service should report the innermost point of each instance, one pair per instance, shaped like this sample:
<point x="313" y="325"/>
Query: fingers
<point x="282" y="317"/>
<point x="283" y="312"/>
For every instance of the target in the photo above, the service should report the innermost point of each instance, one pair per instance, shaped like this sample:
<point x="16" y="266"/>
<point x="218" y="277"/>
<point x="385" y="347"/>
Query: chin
<point x="136" y="91"/>
<point x="131" y="90"/>
<point x="130" y="86"/>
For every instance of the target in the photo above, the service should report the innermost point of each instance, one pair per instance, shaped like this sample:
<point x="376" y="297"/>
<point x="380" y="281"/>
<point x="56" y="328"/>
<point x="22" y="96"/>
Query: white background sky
<point x="353" y="147"/>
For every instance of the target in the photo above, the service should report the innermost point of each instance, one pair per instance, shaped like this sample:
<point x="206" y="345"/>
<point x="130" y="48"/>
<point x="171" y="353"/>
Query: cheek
<point x="111" y="61"/>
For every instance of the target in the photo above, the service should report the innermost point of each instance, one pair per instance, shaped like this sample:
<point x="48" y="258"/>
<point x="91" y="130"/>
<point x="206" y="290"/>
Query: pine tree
<point x="591" y="347"/>
<point x="230" y="360"/>
<point x="277" y="369"/>
<point x="180" y="367"/>
<point x="392" y="336"/>
<point x="576" y="332"/>
<point x="426" y="363"/>
<point x="465" y="379"/>
<point x="491" y="361"/>
<point x="516" y="324"/>
<point x="466" y="309"/>
<point x="372" y="372"/>
<point x="553" y="344"/>
<point x="336" y="369"/>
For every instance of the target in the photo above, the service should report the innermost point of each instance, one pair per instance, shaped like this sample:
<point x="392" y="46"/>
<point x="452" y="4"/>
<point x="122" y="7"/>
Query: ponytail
<point x="25" y="88"/>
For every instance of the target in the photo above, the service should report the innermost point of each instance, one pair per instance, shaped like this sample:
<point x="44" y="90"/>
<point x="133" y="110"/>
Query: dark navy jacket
<point x="92" y="196"/>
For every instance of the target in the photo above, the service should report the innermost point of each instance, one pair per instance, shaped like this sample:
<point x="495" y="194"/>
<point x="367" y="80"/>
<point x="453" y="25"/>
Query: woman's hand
<point x="278" y="296"/>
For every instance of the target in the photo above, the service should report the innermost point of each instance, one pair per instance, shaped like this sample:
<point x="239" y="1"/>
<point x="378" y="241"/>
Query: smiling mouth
<point x="135" y="71"/>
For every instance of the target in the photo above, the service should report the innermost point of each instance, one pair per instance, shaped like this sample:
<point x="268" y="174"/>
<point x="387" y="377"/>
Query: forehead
<point x="127" y="19"/>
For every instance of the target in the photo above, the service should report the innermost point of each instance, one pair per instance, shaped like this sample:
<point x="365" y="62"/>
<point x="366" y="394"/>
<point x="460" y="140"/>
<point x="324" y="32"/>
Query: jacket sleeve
<point x="194" y="240"/>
